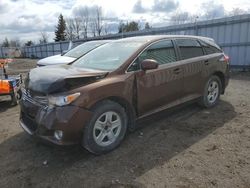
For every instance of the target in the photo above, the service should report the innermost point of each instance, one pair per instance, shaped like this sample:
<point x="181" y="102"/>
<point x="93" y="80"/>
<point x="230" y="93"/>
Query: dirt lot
<point x="185" y="147"/>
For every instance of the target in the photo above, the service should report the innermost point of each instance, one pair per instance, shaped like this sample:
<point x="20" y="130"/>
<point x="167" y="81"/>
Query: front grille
<point x="38" y="100"/>
<point x="43" y="100"/>
<point x="29" y="122"/>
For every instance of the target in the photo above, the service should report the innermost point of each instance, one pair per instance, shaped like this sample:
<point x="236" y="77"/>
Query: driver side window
<point x="163" y="52"/>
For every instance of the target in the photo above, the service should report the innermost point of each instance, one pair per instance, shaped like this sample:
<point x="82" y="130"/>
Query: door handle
<point x="206" y="62"/>
<point x="177" y="71"/>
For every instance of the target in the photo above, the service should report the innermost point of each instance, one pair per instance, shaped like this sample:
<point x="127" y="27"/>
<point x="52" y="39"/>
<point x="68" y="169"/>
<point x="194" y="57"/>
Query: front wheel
<point x="211" y="92"/>
<point x="106" y="129"/>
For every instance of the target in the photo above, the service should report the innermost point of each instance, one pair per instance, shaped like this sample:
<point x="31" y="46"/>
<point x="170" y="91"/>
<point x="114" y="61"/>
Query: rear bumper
<point x="69" y="119"/>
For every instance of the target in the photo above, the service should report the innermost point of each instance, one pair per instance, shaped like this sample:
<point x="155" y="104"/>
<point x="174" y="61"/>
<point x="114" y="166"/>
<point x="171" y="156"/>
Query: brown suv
<point x="97" y="99"/>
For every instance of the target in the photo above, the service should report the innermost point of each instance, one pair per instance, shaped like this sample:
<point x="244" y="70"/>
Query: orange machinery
<point x="9" y="85"/>
<point x="5" y="87"/>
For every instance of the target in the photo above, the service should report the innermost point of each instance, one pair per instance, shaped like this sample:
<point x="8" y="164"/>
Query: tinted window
<point x="163" y="52"/>
<point x="189" y="48"/>
<point x="209" y="49"/>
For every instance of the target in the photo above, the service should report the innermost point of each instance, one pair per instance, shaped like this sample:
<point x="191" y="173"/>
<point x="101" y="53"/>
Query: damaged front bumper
<point x="43" y="122"/>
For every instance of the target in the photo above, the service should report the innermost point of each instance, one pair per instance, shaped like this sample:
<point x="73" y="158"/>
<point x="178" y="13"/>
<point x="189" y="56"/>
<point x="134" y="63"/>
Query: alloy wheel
<point x="107" y="128"/>
<point x="213" y="92"/>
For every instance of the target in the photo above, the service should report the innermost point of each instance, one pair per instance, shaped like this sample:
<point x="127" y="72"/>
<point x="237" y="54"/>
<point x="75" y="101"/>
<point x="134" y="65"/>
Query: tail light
<point x="224" y="58"/>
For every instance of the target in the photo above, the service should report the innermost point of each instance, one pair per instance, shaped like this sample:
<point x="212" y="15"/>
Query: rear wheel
<point x="106" y="129"/>
<point x="211" y="92"/>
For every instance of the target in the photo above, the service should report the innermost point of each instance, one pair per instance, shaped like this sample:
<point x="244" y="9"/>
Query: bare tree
<point x="106" y="29"/>
<point x="193" y="18"/>
<point x="213" y="9"/>
<point x="83" y="16"/>
<point x="11" y="43"/>
<point x="69" y="29"/>
<point x="237" y="11"/>
<point x="87" y="20"/>
<point x="44" y="37"/>
<point x="180" y="18"/>
<point x="73" y="28"/>
<point x="15" y="43"/>
<point x="98" y="21"/>
<point x="92" y="28"/>
<point x="77" y="27"/>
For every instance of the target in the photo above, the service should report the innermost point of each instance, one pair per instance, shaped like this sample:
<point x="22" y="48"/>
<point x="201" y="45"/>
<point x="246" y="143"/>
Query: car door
<point x="192" y="56"/>
<point x="213" y="55"/>
<point x="159" y="87"/>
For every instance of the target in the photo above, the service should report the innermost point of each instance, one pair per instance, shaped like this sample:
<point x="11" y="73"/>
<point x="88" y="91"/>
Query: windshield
<point x="109" y="56"/>
<point x="82" y="49"/>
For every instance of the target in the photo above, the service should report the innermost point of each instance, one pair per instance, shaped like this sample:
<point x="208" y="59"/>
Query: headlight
<point x="62" y="100"/>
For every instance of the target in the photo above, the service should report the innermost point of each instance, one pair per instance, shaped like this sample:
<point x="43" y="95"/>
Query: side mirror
<point x="149" y="64"/>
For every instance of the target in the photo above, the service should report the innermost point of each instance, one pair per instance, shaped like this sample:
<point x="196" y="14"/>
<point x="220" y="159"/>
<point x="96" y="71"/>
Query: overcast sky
<point x="25" y="19"/>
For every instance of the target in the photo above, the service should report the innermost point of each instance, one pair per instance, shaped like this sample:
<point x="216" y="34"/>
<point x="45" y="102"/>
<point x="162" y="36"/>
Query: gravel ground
<point x="184" y="147"/>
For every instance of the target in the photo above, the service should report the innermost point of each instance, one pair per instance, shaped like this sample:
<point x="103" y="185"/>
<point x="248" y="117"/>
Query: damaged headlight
<point x="62" y="100"/>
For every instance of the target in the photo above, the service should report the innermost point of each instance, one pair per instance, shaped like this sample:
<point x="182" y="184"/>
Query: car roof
<point x="149" y="38"/>
<point x="98" y="41"/>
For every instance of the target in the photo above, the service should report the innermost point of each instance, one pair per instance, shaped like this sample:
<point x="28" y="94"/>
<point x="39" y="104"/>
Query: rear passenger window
<point x="163" y="52"/>
<point x="189" y="48"/>
<point x="209" y="49"/>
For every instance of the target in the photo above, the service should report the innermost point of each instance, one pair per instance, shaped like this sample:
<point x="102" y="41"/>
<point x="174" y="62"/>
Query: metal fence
<point x="231" y="33"/>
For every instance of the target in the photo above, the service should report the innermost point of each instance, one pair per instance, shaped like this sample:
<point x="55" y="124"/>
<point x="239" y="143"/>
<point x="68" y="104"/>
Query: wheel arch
<point x="222" y="78"/>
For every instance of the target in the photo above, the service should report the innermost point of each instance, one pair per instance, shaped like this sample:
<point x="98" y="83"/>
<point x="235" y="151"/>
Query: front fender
<point x="121" y="86"/>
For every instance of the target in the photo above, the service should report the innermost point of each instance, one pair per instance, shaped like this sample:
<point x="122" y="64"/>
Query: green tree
<point x="121" y="27"/>
<point x="29" y="43"/>
<point x="6" y="43"/>
<point x="131" y="26"/>
<point x="147" y="26"/>
<point x="60" y="29"/>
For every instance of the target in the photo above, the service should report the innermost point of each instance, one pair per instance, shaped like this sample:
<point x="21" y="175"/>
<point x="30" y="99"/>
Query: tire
<point x="14" y="100"/>
<point x="106" y="129"/>
<point x="211" y="93"/>
<point x="15" y="97"/>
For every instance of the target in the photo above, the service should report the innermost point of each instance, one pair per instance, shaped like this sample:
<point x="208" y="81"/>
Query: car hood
<point x="55" y="60"/>
<point x="60" y="78"/>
